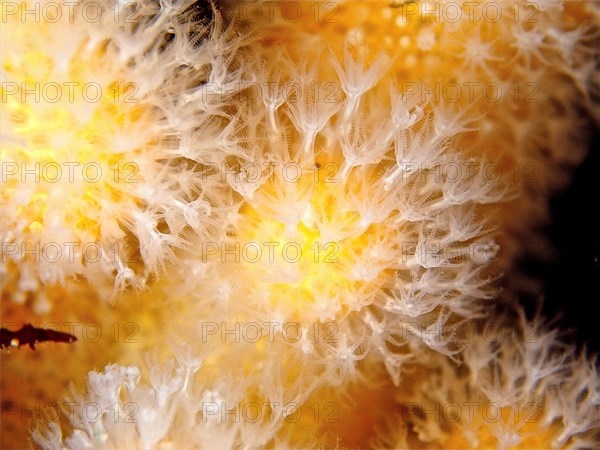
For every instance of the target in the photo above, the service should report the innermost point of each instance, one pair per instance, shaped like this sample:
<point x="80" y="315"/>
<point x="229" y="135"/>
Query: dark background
<point x="572" y="281"/>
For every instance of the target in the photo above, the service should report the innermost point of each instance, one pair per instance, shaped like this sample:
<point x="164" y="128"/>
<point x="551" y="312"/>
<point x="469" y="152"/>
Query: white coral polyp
<point x="392" y="251"/>
<point x="519" y="386"/>
<point x="113" y="184"/>
<point x="178" y="409"/>
<point x="331" y="229"/>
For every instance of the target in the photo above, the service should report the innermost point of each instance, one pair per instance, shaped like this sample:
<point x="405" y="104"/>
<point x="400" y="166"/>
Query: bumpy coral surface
<point x="302" y="209"/>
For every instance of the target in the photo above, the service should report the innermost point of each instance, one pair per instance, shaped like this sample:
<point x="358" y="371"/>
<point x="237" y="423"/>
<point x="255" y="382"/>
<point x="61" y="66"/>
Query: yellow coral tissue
<point x="293" y="224"/>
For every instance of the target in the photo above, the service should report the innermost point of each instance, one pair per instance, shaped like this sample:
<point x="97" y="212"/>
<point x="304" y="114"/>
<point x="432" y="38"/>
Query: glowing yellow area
<point x="52" y="137"/>
<point x="298" y="271"/>
<point x="299" y="265"/>
<point x="61" y="132"/>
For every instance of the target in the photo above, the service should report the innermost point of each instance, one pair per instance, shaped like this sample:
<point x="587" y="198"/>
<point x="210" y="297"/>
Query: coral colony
<point x="288" y="224"/>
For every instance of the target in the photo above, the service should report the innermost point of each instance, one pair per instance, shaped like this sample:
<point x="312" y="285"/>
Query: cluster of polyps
<point x="389" y="255"/>
<point x="100" y="149"/>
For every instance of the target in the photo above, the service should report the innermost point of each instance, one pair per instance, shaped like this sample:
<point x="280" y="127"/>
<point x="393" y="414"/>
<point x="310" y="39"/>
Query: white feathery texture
<point x="385" y="195"/>
<point x="393" y="245"/>
<point x="403" y="224"/>
<point x="175" y="408"/>
<point x="159" y="120"/>
<point x="524" y="76"/>
<point x="517" y="386"/>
